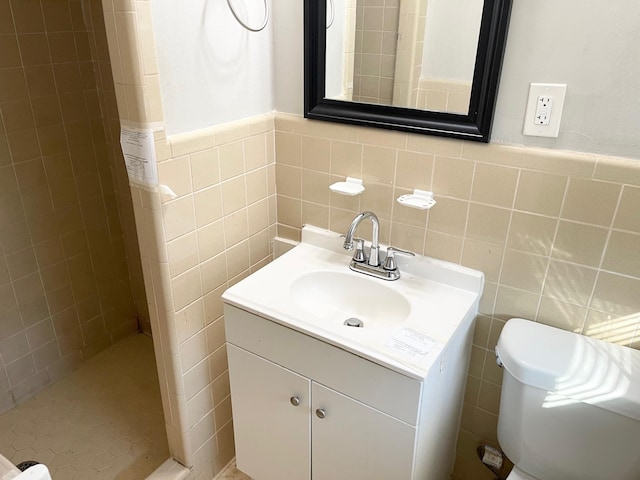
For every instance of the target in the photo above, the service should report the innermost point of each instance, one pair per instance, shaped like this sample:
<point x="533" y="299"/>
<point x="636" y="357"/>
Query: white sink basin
<point x="407" y="322"/>
<point x="339" y="296"/>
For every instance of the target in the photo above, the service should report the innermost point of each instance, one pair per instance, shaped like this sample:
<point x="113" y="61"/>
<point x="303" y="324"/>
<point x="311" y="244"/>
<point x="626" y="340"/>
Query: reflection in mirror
<point x="407" y="53"/>
<point x="424" y="66"/>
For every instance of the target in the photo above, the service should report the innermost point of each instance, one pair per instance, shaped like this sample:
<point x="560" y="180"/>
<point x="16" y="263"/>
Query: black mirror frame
<point x="476" y="125"/>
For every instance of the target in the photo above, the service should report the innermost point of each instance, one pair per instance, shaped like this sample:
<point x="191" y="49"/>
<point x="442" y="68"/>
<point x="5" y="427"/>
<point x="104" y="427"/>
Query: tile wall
<point x="408" y="68"/>
<point x="66" y="228"/>
<point x="556" y="233"/>
<point x="443" y="96"/>
<point x="553" y="232"/>
<point x="215" y="230"/>
<point x="375" y="50"/>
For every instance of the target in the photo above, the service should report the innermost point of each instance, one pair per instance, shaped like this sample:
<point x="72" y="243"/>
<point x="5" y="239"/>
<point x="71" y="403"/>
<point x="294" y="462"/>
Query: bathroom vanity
<point x="316" y="398"/>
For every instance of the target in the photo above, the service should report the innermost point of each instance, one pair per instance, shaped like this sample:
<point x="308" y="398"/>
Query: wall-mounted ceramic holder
<point x="420" y="199"/>
<point x="350" y="187"/>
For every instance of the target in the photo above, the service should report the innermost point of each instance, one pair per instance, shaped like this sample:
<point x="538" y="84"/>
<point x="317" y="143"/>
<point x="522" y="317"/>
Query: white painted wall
<point x="288" y="39"/>
<point x="212" y="70"/>
<point x="594" y="48"/>
<point x="451" y="36"/>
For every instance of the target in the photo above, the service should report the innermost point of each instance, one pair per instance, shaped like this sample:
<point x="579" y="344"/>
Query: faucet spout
<point x="374" y="257"/>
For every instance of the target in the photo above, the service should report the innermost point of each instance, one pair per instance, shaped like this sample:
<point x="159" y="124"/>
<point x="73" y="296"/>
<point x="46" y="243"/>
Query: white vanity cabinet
<point x="304" y="409"/>
<point x="289" y="427"/>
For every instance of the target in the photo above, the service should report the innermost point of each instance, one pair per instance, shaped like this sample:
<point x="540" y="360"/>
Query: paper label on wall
<point x="139" y="155"/>
<point x="412" y="343"/>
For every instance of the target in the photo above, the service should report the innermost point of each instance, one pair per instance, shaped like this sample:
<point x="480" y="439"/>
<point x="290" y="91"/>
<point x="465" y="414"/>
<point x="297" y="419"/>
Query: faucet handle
<point x="359" y="255"/>
<point x="390" y="259"/>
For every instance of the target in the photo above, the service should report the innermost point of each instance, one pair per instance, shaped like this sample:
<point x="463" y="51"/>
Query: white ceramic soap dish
<point x="420" y="199"/>
<point x="350" y="187"/>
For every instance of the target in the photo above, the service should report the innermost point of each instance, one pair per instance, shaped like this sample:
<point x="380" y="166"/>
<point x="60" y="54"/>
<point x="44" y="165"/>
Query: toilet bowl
<point x="570" y="405"/>
<point x="517" y="474"/>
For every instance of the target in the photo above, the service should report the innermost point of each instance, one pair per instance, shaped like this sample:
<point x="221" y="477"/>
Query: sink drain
<point x="353" y="322"/>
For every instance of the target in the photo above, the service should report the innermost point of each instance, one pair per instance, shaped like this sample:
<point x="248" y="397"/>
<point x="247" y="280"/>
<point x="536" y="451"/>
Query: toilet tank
<point x="570" y="404"/>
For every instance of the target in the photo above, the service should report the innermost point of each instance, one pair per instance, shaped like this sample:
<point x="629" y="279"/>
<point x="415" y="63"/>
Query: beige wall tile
<point x="231" y="160"/>
<point x="234" y="195"/>
<point x="211" y="240"/>
<point x="186" y="288"/>
<point x="540" y="192"/>
<point x="238" y="259"/>
<point x="289" y="211"/>
<point x="611" y="328"/>
<point x="450" y="216"/>
<point x="178" y="217"/>
<point x="255" y="152"/>
<point x="612" y="294"/>
<point x="488" y="224"/>
<point x="569" y="283"/>
<point x="176" y="174"/>
<point x="214" y="273"/>
<point x="523" y="271"/>
<point x="257" y="185"/>
<point x="315" y="187"/>
<point x="561" y="315"/>
<point x="453" y="177"/>
<point x="236" y="227"/>
<point x="591" y="201"/>
<point x="379" y="165"/>
<point x="208" y="205"/>
<point x="289" y="180"/>
<point x="414" y="170"/>
<point x="531" y="233"/>
<point x="289" y="149"/>
<point x="205" y="169"/>
<point x="494" y="185"/>
<point x="579" y="243"/>
<point x="443" y="246"/>
<point x="628" y="214"/>
<point x="408" y="237"/>
<point x="183" y="254"/>
<point x="346" y="159"/>
<point x="258" y="216"/>
<point x="482" y="256"/>
<point x="379" y="199"/>
<point x="316" y="154"/>
<point x="188" y="322"/>
<point x="511" y="302"/>
<point x="314" y="214"/>
<point x="622" y="253"/>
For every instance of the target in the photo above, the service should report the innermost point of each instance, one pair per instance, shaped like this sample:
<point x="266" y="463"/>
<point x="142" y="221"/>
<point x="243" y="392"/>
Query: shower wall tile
<point x="556" y="233"/>
<point x="217" y="229"/>
<point x="64" y="213"/>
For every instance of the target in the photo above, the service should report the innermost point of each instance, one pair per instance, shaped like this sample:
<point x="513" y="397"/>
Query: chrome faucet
<point x="374" y="254"/>
<point x="370" y="265"/>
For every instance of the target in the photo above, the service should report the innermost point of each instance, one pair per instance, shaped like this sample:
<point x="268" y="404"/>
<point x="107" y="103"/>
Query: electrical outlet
<point x="544" y="109"/>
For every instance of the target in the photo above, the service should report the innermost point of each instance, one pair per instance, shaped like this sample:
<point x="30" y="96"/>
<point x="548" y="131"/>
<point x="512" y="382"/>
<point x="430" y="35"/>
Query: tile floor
<point x="104" y="421"/>
<point x="232" y="473"/>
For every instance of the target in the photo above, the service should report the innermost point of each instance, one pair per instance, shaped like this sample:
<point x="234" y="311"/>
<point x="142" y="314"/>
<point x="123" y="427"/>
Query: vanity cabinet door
<point x="270" y="418"/>
<point x="353" y="441"/>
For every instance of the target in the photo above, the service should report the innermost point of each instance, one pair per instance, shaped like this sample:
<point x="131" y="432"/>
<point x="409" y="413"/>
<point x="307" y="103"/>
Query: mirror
<point x="424" y="66"/>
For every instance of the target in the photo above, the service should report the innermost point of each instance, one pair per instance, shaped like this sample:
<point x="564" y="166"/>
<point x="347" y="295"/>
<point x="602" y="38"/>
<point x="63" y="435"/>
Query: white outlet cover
<point x="557" y="91"/>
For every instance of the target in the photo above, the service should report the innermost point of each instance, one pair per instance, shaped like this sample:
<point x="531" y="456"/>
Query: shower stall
<point x="70" y="274"/>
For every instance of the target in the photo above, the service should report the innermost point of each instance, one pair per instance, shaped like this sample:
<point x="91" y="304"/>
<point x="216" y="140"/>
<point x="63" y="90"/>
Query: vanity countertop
<point x="407" y="322"/>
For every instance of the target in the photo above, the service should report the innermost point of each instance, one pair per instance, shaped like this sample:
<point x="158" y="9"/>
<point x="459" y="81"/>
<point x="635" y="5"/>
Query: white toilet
<point x="570" y="405"/>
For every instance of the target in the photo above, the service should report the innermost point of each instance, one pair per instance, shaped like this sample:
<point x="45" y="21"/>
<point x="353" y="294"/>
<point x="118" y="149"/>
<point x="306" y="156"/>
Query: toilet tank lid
<point x="573" y="368"/>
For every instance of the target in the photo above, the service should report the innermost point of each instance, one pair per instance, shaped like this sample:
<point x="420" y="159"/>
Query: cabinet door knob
<point x="320" y="413"/>
<point x="295" y="400"/>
